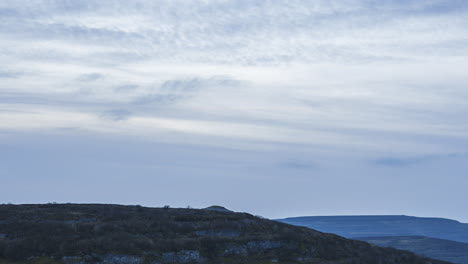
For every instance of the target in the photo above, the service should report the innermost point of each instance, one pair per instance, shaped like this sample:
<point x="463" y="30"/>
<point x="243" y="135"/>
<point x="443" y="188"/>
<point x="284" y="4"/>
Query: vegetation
<point x="98" y="233"/>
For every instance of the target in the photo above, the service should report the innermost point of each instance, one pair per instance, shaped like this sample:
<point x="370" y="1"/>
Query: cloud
<point x="7" y="74"/>
<point x="401" y="162"/>
<point x="116" y="114"/>
<point x="171" y="91"/>
<point x="295" y="93"/>
<point x="89" y="77"/>
<point x="299" y="165"/>
<point x="158" y="99"/>
<point x="380" y="74"/>
<point x="235" y="32"/>
<point x="193" y="84"/>
<point x="126" y="88"/>
<point x="411" y="161"/>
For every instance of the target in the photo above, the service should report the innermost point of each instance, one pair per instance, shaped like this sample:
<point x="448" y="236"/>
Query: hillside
<point x="452" y="251"/>
<point x="96" y="233"/>
<point x="380" y="226"/>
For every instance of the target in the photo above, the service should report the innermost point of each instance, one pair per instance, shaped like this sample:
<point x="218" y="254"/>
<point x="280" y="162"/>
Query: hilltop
<point x="99" y="233"/>
<point x="217" y="208"/>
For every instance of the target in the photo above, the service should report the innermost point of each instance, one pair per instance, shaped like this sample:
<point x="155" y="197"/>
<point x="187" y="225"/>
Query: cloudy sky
<point x="278" y="108"/>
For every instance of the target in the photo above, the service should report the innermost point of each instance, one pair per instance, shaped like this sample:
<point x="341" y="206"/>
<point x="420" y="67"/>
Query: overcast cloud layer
<point x="279" y="108"/>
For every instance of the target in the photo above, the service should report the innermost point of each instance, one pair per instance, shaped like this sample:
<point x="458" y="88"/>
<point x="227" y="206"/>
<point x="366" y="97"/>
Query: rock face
<point x="121" y="259"/>
<point x="184" y="256"/>
<point x="113" y="234"/>
<point x="264" y="244"/>
<point x="218" y="233"/>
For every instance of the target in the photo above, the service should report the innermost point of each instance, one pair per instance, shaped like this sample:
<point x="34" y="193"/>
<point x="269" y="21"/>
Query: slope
<point x="99" y="233"/>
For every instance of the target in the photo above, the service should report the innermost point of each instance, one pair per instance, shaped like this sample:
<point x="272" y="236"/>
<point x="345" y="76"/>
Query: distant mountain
<point x="115" y="234"/>
<point x="447" y="250"/>
<point x="380" y="226"/>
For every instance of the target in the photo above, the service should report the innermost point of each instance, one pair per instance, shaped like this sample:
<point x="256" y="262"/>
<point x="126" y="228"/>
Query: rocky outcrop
<point x="184" y="256"/>
<point x="264" y="244"/>
<point x="218" y="233"/>
<point x="106" y="259"/>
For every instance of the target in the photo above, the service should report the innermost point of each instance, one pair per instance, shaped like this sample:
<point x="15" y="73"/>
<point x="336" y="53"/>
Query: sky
<point x="276" y="108"/>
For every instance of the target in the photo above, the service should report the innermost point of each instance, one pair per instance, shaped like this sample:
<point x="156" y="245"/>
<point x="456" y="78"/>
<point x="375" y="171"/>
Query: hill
<point x="97" y="233"/>
<point x="217" y="208"/>
<point x="447" y="250"/>
<point x="380" y="226"/>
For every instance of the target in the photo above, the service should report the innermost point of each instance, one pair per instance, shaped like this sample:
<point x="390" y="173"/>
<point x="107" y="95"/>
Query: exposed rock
<point x="235" y="250"/>
<point x="183" y="256"/>
<point x="121" y="259"/>
<point x="72" y="260"/>
<point x="107" y="259"/>
<point x="218" y="233"/>
<point x="264" y="244"/>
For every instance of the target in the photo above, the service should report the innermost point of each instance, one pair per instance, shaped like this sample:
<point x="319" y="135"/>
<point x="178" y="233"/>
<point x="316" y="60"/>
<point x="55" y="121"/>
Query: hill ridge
<point x="117" y="234"/>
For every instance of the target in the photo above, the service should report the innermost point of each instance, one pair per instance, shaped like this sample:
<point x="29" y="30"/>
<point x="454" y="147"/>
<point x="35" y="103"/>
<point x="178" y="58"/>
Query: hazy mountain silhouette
<point x="385" y="225"/>
<point x="456" y="252"/>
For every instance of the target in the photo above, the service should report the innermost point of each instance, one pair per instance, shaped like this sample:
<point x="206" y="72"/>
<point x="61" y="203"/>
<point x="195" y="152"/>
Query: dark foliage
<point x="93" y="230"/>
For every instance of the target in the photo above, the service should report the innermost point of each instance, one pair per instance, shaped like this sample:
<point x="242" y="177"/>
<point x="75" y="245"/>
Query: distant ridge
<point x="384" y="225"/>
<point x="448" y="250"/>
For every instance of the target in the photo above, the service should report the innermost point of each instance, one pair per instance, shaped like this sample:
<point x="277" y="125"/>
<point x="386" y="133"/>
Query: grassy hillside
<point x="96" y="233"/>
<point x="452" y="251"/>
